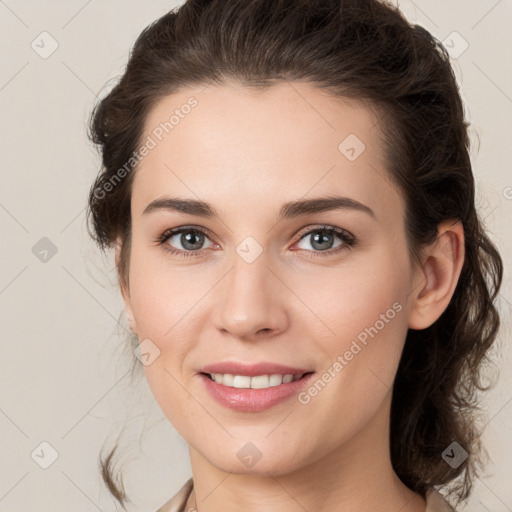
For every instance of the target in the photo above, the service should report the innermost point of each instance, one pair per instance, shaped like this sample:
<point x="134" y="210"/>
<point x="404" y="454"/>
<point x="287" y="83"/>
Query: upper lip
<point x="252" y="370"/>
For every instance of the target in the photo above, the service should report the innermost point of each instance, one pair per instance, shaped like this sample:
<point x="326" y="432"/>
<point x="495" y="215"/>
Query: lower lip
<point x="253" y="400"/>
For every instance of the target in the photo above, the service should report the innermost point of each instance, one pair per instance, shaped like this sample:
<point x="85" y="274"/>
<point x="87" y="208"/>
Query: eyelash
<point x="348" y="240"/>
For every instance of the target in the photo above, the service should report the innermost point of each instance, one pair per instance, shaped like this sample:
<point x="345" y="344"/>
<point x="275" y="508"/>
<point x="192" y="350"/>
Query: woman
<point x="242" y="138"/>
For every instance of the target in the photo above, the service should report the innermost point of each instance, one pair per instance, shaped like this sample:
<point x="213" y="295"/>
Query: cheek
<point x="164" y="302"/>
<point x="176" y="402"/>
<point x="369" y="290"/>
<point x="163" y="297"/>
<point x="368" y="324"/>
<point x="364" y="322"/>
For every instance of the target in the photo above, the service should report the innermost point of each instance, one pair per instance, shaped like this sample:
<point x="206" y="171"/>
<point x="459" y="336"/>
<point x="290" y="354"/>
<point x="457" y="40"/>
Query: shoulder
<point x="436" y="502"/>
<point x="178" y="501"/>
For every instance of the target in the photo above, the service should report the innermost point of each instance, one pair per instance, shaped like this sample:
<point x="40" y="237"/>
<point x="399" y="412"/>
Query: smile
<point x="254" y="382"/>
<point x="255" y="393"/>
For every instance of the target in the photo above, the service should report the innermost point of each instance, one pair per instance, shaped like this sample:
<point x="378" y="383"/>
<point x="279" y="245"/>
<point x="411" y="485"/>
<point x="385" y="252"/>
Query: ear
<point x="435" y="281"/>
<point x="125" y="292"/>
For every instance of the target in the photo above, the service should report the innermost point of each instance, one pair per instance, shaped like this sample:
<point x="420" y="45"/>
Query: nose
<point x="251" y="299"/>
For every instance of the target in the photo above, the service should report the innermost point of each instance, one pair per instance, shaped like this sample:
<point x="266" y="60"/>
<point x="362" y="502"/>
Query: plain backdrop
<point x="64" y="372"/>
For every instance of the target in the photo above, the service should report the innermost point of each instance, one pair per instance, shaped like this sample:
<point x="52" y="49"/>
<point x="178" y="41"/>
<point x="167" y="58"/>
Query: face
<point x="323" y="290"/>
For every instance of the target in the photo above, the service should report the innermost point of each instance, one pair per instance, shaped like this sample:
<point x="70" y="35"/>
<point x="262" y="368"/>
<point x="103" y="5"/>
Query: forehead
<point x="221" y="142"/>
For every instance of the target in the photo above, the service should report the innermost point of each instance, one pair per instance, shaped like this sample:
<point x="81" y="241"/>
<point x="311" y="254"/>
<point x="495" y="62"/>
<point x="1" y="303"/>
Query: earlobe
<point x="131" y="320"/>
<point x="124" y="292"/>
<point x="117" y="251"/>
<point x="129" y="311"/>
<point x="438" y="276"/>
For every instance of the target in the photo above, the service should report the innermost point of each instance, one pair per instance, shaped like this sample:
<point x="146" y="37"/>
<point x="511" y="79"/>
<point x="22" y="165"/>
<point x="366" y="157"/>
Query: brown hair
<point x="362" y="49"/>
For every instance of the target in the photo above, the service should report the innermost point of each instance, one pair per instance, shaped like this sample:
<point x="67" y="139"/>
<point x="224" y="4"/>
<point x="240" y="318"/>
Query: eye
<point x="190" y="239"/>
<point x="321" y="240"/>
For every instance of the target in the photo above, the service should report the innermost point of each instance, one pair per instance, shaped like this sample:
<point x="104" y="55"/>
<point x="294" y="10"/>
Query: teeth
<point x="257" y="382"/>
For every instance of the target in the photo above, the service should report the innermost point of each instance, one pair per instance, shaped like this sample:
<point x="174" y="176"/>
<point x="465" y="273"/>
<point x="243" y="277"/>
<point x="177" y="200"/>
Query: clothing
<point x="435" y="500"/>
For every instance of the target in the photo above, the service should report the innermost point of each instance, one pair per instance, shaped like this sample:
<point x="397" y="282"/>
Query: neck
<point x="358" y="475"/>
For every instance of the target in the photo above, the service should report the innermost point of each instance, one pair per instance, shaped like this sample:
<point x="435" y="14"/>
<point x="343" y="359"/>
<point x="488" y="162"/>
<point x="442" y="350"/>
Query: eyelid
<point x="324" y="227"/>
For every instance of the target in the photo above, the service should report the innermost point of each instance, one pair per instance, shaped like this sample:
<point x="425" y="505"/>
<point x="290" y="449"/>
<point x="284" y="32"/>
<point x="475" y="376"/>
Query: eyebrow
<point x="288" y="210"/>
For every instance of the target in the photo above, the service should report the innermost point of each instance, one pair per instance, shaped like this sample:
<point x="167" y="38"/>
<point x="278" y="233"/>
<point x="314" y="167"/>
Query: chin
<point x="249" y="461"/>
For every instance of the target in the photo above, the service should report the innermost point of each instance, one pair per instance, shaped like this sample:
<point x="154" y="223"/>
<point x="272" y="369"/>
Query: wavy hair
<point x="361" y="49"/>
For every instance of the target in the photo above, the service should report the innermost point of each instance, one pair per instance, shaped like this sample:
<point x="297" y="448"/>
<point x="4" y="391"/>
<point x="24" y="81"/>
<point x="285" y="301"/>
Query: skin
<point x="247" y="154"/>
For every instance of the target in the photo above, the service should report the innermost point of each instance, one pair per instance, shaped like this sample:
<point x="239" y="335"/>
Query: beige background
<point x="64" y="374"/>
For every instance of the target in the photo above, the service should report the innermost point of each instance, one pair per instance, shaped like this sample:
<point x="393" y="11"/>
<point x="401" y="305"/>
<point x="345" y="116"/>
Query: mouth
<point x="255" y="381"/>
<point x="254" y="393"/>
